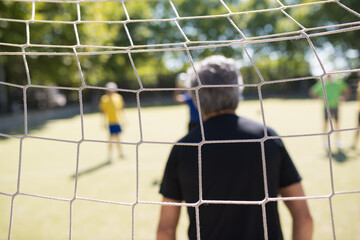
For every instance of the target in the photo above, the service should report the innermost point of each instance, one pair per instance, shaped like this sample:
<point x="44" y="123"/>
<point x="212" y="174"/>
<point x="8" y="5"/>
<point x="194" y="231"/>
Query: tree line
<point x="286" y="59"/>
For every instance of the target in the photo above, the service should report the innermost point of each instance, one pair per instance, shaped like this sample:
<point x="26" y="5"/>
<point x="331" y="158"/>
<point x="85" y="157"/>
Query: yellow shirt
<point x="111" y="105"/>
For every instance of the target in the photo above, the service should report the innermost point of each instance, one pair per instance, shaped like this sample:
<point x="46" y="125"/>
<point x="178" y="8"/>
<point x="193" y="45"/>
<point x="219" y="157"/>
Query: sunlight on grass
<point x="109" y="187"/>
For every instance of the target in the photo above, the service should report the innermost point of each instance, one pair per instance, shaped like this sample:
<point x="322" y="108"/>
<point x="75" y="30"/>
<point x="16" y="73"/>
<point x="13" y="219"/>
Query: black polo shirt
<point x="229" y="171"/>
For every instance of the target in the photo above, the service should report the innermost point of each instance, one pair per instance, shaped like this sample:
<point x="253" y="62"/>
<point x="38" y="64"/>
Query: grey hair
<point x="216" y="70"/>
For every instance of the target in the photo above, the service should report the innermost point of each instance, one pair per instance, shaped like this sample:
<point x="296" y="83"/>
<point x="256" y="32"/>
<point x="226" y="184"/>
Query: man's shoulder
<point x="252" y="127"/>
<point x="232" y="126"/>
<point x="193" y="136"/>
<point x="243" y="121"/>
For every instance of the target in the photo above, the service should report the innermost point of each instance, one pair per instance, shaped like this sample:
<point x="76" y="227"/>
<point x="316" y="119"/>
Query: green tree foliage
<point x="344" y="44"/>
<point x="111" y="40"/>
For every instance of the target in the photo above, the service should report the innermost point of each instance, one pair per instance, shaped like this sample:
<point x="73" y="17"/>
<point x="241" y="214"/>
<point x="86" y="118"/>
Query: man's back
<point x="230" y="171"/>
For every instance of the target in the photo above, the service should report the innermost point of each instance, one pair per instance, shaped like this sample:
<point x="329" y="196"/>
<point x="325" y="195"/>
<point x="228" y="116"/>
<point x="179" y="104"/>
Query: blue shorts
<point x="114" y="129"/>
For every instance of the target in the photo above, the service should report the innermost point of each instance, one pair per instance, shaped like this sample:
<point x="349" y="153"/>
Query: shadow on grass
<point x="92" y="169"/>
<point x="19" y="130"/>
<point x="13" y="124"/>
<point x="340" y="156"/>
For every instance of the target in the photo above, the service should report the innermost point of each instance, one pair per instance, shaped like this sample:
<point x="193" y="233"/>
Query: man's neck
<point x="217" y="113"/>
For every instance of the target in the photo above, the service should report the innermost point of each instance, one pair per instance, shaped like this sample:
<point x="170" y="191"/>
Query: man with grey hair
<point x="229" y="199"/>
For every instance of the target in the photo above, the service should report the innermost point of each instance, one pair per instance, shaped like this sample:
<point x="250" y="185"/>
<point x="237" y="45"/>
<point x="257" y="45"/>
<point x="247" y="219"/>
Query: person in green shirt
<point x="336" y="91"/>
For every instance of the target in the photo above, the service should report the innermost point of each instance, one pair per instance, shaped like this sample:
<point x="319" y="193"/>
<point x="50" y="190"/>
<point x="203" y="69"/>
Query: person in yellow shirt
<point x="112" y="105"/>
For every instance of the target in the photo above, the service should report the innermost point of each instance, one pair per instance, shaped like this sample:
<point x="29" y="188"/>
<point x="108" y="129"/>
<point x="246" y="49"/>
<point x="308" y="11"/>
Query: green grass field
<point x="48" y="167"/>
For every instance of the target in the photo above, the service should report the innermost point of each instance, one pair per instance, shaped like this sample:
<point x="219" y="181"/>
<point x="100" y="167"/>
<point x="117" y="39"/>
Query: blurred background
<point x="53" y="31"/>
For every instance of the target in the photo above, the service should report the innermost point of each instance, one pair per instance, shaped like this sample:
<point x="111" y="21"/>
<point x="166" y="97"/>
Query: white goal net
<point x="74" y="47"/>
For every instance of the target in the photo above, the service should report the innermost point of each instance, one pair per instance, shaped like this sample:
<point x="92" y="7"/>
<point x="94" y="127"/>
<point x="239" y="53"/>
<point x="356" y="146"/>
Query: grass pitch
<point x="107" y="191"/>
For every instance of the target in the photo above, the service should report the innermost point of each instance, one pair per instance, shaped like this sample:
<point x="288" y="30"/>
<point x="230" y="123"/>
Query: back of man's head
<point x="216" y="71"/>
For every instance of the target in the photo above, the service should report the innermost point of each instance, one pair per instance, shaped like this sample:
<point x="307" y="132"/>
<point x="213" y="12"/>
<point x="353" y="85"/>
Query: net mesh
<point x="185" y="42"/>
